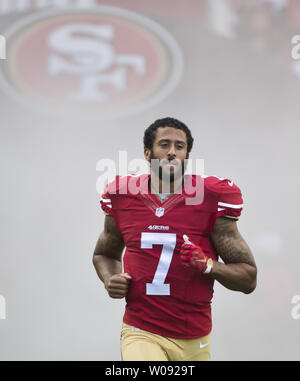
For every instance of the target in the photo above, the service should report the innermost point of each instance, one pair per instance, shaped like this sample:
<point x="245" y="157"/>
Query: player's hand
<point x="192" y="256"/>
<point x="118" y="285"/>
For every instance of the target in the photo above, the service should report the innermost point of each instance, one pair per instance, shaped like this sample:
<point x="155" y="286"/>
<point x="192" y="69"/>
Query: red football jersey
<point x="165" y="297"/>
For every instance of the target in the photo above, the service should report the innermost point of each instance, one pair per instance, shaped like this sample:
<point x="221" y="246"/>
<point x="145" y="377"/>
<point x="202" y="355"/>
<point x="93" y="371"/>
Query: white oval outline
<point x="174" y="49"/>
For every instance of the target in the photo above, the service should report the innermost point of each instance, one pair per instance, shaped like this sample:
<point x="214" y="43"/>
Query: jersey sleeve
<point x="110" y="198"/>
<point x="230" y="202"/>
<point x="105" y="202"/>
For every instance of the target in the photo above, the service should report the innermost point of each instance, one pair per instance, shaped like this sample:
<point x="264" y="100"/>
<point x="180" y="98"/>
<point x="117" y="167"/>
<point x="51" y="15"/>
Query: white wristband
<point x="209" y="266"/>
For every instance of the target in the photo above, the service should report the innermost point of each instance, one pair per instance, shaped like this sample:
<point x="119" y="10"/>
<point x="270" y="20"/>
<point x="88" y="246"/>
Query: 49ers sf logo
<point x="103" y="63"/>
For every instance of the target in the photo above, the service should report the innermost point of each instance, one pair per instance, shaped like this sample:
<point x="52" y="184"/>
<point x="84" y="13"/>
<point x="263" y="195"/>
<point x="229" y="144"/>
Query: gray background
<point x="240" y="96"/>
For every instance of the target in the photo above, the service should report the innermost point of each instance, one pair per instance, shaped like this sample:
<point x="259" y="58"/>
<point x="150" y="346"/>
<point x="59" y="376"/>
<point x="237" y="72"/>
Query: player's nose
<point x="172" y="152"/>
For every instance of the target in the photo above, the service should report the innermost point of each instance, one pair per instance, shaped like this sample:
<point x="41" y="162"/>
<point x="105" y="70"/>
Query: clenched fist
<point x="117" y="286"/>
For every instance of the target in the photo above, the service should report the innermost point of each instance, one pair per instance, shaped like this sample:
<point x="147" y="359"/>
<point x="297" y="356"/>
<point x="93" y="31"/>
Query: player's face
<point x="170" y="148"/>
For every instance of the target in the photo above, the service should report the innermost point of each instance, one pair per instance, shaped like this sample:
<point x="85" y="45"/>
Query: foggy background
<point x="225" y="69"/>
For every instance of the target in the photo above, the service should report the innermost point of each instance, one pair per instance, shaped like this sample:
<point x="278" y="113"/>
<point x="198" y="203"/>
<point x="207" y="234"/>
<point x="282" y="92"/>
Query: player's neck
<point x="159" y="186"/>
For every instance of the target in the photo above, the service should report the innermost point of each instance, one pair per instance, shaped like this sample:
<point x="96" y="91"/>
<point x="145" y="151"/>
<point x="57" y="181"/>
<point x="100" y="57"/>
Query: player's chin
<point x="171" y="173"/>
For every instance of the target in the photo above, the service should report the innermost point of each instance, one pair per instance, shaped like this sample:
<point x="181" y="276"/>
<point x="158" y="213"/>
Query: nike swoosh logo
<point x="203" y="345"/>
<point x="230" y="183"/>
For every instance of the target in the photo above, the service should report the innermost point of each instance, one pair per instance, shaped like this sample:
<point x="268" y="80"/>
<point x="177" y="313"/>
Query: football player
<point x="172" y="251"/>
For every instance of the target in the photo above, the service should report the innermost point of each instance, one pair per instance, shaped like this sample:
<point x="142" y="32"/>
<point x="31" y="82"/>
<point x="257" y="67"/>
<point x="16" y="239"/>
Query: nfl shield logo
<point x="160" y="212"/>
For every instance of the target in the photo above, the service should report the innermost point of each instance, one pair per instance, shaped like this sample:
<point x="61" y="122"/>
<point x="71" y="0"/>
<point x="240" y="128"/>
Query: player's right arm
<point x="107" y="260"/>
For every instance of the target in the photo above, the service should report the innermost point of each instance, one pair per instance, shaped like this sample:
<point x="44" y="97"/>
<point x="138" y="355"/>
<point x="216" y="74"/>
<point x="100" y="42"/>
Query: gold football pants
<point x="140" y="345"/>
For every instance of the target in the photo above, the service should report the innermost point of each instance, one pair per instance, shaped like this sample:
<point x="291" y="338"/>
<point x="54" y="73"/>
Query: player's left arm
<point x="238" y="272"/>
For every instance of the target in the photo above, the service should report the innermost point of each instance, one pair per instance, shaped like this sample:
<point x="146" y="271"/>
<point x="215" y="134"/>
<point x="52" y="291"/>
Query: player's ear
<point x="147" y="154"/>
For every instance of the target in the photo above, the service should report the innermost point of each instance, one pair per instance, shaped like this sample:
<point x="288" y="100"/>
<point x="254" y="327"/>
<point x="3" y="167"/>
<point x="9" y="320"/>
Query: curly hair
<point x="150" y="132"/>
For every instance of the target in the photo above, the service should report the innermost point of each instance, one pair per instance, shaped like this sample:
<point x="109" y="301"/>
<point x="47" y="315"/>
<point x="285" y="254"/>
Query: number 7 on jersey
<point x="168" y="242"/>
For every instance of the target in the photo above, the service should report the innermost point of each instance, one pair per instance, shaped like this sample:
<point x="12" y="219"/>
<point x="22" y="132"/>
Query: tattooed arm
<point x="238" y="272"/>
<point x="107" y="260"/>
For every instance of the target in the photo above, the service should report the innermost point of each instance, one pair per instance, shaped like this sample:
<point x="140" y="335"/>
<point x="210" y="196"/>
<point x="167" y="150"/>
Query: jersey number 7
<point x="168" y="242"/>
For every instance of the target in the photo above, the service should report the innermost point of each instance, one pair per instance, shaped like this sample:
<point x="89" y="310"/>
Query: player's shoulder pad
<point x="230" y="200"/>
<point x="121" y="185"/>
<point x="220" y="185"/>
<point x="116" y="185"/>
